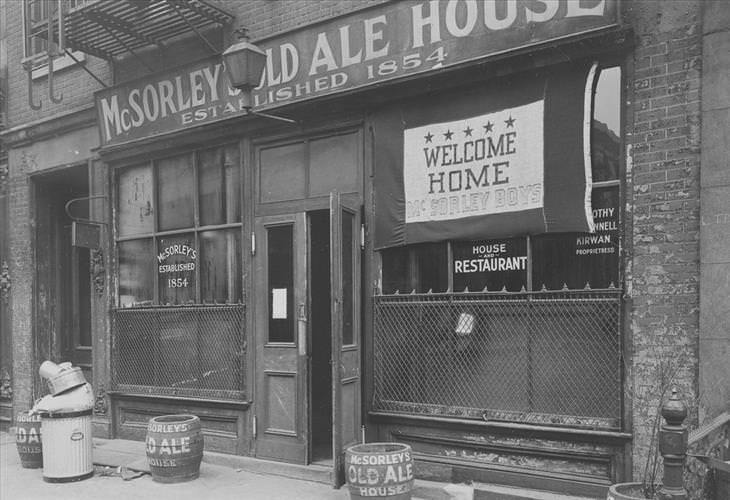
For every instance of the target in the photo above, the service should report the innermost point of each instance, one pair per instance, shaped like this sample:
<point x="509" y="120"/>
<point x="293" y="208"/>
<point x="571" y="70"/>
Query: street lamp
<point x="244" y="63"/>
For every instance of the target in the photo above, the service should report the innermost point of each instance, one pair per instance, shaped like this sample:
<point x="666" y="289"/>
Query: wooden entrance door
<point x="282" y="282"/>
<point x="280" y="401"/>
<point x="345" y="251"/>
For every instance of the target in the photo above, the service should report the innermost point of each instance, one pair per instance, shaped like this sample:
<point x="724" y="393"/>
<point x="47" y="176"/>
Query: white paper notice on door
<point x="278" y="303"/>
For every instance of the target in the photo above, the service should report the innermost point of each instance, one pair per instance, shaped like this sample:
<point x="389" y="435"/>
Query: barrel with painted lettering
<point x="379" y="470"/>
<point x="174" y="448"/>
<point x="28" y="440"/>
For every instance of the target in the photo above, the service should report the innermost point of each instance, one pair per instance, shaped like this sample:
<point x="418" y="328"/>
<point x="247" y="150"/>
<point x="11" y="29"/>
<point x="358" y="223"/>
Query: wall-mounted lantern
<point x="244" y="63"/>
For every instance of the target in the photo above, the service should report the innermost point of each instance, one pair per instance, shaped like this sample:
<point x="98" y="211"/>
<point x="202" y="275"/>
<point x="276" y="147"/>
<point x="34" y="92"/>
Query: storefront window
<point x="220" y="265"/>
<point x="136" y="284"/>
<point x="175" y="192"/>
<point x="158" y="235"/>
<point x="177" y="330"/>
<point x="606" y="130"/>
<point x="536" y="339"/>
<point x="135" y="213"/>
<point x="420" y="268"/>
<point x="218" y="179"/>
<point x="581" y="260"/>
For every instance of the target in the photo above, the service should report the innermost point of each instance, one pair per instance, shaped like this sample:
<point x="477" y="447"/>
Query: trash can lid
<point x="79" y="399"/>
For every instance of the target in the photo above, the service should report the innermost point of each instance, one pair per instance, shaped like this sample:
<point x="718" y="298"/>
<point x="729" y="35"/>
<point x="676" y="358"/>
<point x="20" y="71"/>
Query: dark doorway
<point x="321" y="340"/>
<point x="63" y="284"/>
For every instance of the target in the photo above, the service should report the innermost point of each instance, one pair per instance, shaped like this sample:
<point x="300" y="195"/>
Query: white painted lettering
<point x="372" y="36"/>
<point x="491" y="19"/>
<point x="551" y="8"/>
<point x="575" y="9"/>
<point x="420" y="22"/>
<point x="196" y="88"/>
<point x="212" y="79"/>
<point x="452" y="19"/>
<point x="166" y="90"/>
<point x="348" y="59"/>
<point x="322" y="56"/>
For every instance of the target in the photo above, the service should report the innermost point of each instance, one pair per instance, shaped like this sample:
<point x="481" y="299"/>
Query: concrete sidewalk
<point x="117" y="460"/>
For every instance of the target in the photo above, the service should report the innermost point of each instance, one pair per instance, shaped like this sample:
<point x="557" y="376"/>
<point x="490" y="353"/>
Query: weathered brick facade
<point x="675" y="327"/>
<point x="663" y="155"/>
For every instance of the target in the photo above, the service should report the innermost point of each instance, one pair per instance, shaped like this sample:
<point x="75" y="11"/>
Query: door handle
<point x="302" y="329"/>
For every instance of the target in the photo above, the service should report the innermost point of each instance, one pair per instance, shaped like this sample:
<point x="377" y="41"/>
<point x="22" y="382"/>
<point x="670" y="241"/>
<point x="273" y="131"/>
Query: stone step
<point x="484" y="491"/>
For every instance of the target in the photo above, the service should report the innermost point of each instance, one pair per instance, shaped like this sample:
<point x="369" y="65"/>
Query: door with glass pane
<point x="345" y="313"/>
<point x="280" y="400"/>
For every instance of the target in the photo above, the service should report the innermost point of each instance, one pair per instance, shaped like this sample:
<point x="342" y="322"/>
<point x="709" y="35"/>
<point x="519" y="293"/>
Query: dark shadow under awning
<point x="109" y="28"/>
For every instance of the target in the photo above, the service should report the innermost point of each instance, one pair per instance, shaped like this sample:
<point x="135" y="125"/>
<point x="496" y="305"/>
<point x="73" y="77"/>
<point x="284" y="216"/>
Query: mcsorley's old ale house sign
<point x="385" y="43"/>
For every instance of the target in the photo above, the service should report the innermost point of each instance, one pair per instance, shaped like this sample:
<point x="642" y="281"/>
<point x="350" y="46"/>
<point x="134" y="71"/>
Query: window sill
<point x="62" y="62"/>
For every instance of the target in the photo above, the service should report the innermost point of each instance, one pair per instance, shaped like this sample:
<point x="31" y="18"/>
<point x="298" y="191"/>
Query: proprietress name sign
<point x="385" y="43"/>
<point x="487" y="164"/>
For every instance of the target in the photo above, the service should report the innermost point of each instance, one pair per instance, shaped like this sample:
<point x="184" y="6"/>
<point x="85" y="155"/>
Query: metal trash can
<point x="67" y="435"/>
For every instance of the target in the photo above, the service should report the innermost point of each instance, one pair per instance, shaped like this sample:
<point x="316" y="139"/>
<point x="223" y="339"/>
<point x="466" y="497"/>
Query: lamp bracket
<point x="273" y="117"/>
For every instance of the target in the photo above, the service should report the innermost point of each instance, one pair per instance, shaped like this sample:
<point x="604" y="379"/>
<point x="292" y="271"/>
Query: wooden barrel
<point x="28" y="440"/>
<point x="379" y="470"/>
<point x="174" y="448"/>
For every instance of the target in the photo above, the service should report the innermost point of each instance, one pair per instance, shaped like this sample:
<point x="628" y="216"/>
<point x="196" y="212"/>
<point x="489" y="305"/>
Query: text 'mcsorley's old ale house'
<point x="421" y="224"/>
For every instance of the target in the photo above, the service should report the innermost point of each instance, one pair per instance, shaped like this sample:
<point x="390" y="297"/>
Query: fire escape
<point x="110" y="29"/>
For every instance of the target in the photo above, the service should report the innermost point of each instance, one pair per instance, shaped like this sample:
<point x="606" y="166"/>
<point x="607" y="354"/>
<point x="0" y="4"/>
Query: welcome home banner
<point x="500" y="161"/>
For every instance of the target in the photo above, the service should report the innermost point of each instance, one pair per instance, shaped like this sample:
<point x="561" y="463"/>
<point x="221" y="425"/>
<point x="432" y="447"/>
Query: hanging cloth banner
<point x="505" y="160"/>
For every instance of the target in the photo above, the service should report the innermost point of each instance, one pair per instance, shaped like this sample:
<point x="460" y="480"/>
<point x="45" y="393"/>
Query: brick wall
<point x="264" y="18"/>
<point x="20" y="267"/>
<point x="663" y="154"/>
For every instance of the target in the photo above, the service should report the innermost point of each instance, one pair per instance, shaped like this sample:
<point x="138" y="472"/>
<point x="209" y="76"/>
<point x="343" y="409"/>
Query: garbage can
<point x="67" y="435"/>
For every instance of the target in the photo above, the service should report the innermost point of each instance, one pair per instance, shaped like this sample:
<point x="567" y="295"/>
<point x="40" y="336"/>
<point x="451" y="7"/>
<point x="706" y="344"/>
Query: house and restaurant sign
<point x="385" y="43"/>
<point x="490" y="265"/>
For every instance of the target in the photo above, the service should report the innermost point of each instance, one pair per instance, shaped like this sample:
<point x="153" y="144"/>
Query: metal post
<point x="673" y="447"/>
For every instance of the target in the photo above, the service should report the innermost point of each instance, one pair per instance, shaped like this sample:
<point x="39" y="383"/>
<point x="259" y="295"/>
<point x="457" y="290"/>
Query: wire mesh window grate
<point x="549" y="358"/>
<point x="190" y="351"/>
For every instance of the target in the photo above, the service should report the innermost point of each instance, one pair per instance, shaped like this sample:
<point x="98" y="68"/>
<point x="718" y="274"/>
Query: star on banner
<point x="510" y="121"/>
<point x="467" y="131"/>
<point x="428" y="137"/>
<point x="448" y="135"/>
<point x="488" y="127"/>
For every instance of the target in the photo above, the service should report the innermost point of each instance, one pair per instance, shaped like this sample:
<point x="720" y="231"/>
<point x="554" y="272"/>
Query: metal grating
<point x="109" y="28"/>
<point x="191" y="351"/>
<point x="548" y="358"/>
